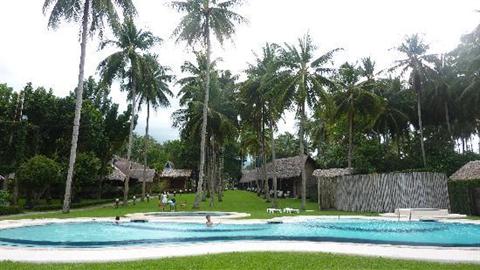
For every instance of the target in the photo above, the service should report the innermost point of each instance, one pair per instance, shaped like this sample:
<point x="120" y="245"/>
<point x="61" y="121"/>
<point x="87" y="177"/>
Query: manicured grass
<point x="236" y="201"/>
<point x="259" y="260"/>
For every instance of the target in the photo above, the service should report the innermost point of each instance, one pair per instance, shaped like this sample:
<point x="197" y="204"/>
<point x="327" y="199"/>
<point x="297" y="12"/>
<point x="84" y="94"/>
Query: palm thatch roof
<point x="284" y="168"/>
<point x="175" y="173"/>
<point x="469" y="171"/>
<point x="136" y="171"/>
<point x="116" y="175"/>
<point x="249" y="176"/>
<point x="334" y="172"/>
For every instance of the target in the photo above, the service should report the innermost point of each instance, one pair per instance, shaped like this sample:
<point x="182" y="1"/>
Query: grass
<point x="255" y="260"/>
<point x="235" y="201"/>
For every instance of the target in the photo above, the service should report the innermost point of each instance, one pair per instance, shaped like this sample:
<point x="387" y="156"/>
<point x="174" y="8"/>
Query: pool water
<point x="108" y="234"/>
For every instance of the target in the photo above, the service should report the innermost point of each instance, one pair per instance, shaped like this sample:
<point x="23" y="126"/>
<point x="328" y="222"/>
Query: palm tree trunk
<point x="130" y="142"/>
<point x="420" y="125"/>
<point x="350" y="138"/>
<point x="221" y="186"/>
<point x="145" y="164"/>
<point x="256" y="176"/>
<point x="274" y="168"/>
<point x="266" y="187"/>
<point x="447" y="120"/>
<point x="204" y="122"/>
<point x="212" y="175"/>
<point x="78" y="109"/>
<point x="302" y="153"/>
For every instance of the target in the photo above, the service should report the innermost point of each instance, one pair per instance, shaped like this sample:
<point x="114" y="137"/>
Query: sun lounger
<point x="291" y="210"/>
<point x="274" y="210"/>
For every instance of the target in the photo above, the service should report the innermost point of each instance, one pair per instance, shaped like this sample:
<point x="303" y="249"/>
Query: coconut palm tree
<point x="303" y="84"/>
<point x="126" y="65"/>
<point x="417" y="63"/>
<point x="262" y="105"/>
<point x="154" y="92"/>
<point x="201" y="18"/>
<point x="355" y="97"/>
<point x="92" y="14"/>
<point x="221" y="114"/>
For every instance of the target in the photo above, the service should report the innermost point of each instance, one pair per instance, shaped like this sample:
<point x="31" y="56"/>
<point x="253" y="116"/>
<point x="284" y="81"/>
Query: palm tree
<point x="261" y="104"/>
<point x="92" y="15"/>
<point x="304" y="84"/>
<point x="417" y="64"/>
<point x="203" y="16"/>
<point x="126" y="65"/>
<point x="355" y="98"/>
<point x="221" y="114"/>
<point x="154" y="92"/>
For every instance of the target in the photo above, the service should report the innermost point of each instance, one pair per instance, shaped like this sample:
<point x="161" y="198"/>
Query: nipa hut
<point x="175" y="179"/>
<point x="288" y="172"/>
<point x="469" y="171"/>
<point x="464" y="189"/>
<point x="119" y="173"/>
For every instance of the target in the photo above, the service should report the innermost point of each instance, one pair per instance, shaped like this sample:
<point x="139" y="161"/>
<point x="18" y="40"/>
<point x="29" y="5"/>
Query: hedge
<point x="461" y="197"/>
<point x="9" y="210"/>
<point x="52" y="207"/>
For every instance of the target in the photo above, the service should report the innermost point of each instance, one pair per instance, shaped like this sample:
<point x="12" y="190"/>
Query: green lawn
<point x="236" y="201"/>
<point x="258" y="260"/>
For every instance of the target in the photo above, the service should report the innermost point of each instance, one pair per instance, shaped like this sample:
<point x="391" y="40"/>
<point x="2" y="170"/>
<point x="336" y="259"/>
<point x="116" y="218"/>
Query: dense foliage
<point x="461" y="195"/>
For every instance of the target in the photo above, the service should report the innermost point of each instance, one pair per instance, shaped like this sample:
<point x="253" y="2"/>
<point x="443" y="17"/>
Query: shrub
<point x="461" y="197"/>
<point x="4" y="198"/>
<point x="37" y="175"/>
<point x="52" y="207"/>
<point x="9" y="210"/>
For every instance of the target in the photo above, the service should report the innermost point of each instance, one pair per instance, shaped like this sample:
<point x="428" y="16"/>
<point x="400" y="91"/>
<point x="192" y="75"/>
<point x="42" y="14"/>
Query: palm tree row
<point x="340" y="105"/>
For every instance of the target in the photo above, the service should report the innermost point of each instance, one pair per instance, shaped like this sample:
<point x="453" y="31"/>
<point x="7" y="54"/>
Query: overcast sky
<point x="29" y="52"/>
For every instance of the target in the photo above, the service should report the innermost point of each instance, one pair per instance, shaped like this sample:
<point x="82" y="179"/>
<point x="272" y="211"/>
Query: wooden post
<point x="318" y="194"/>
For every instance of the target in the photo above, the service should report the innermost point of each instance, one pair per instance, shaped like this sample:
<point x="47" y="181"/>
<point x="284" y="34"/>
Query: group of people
<point x="167" y="199"/>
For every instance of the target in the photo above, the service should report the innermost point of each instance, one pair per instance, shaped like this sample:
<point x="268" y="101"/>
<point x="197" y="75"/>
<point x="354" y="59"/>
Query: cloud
<point x="31" y="52"/>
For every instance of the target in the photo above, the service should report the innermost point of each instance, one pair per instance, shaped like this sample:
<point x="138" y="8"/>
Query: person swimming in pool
<point x="209" y="222"/>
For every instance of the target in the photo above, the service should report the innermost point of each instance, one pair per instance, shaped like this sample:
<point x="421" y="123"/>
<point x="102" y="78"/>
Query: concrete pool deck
<point x="57" y="255"/>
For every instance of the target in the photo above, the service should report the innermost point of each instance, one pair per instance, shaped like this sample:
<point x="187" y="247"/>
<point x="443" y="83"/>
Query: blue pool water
<point x="107" y="234"/>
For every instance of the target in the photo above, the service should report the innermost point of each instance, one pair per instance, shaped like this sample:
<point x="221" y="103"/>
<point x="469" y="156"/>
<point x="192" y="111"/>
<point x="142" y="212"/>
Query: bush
<point x="4" y="198"/>
<point x="9" y="210"/>
<point x="36" y="176"/>
<point x="53" y="207"/>
<point x="461" y="197"/>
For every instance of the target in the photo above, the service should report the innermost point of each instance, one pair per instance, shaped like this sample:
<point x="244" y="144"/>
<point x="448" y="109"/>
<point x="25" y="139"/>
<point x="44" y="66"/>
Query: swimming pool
<point x="108" y="234"/>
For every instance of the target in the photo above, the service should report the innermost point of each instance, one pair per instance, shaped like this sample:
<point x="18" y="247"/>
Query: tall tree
<point x="355" y="97"/>
<point x="417" y="62"/>
<point x="304" y="84"/>
<point x="221" y="114"/>
<point x="92" y="15"/>
<point x="126" y="65"/>
<point x="203" y="16"/>
<point x="154" y="92"/>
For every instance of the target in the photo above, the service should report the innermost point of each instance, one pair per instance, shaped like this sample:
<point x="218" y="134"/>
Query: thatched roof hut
<point x="120" y="166"/>
<point x="249" y="176"/>
<point x="175" y="173"/>
<point x="334" y="172"/>
<point x="176" y="179"/>
<point x="116" y="174"/>
<point x="284" y="168"/>
<point x="469" y="171"/>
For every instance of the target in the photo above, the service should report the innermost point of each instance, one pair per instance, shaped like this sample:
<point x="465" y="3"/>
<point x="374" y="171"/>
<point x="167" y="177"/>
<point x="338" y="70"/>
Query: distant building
<point x="119" y="173"/>
<point x="289" y="175"/>
<point x="175" y="179"/>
